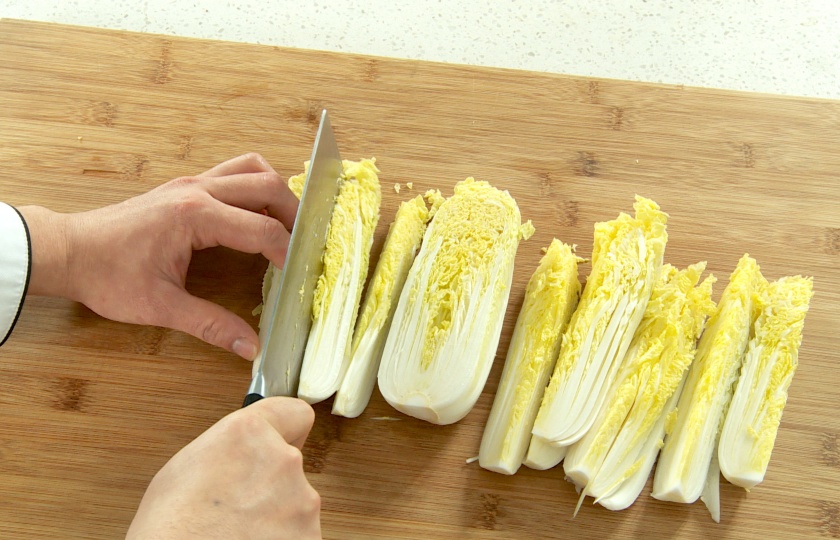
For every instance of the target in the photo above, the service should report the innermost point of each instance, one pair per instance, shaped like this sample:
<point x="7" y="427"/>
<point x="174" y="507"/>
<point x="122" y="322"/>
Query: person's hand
<point x="128" y="262"/>
<point x="242" y="478"/>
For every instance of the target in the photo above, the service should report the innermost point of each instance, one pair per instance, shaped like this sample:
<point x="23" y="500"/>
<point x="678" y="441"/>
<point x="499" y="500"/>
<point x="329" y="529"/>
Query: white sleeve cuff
<point x="15" y="266"/>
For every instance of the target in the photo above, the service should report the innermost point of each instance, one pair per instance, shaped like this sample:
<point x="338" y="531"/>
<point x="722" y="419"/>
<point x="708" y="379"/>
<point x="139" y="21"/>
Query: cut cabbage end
<point x="711" y="491"/>
<point x="542" y="456"/>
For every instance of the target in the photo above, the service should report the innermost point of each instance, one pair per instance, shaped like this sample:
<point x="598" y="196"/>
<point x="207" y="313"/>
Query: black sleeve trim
<point x="28" y="275"/>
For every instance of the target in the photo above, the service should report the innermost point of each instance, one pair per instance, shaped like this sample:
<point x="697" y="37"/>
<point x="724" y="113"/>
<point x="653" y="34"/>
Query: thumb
<point x="291" y="417"/>
<point x="213" y="324"/>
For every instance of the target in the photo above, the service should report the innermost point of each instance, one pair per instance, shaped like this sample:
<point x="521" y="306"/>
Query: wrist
<point x="49" y="240"/>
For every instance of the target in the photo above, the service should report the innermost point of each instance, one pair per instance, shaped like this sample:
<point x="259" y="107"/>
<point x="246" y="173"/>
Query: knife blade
<point x="277" y="366"/>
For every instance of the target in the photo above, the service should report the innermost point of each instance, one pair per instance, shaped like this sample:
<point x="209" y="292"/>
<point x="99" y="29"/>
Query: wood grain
<point x="92" y="408"/>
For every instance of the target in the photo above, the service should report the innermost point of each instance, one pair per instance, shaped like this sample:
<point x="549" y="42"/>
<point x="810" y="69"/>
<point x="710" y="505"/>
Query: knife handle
<point x="251" y="398"/>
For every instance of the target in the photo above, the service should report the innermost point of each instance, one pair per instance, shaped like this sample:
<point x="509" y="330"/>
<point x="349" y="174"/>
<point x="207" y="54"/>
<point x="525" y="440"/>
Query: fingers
<point x="291" y="417"/>
<point x="210" y="322"/>
<point x="256" y="191"/>
<point x="242" y="230"/>
<point x="247" y="163"/>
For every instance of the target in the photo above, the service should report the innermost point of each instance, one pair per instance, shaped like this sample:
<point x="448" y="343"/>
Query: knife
<point x="277" y="366"/>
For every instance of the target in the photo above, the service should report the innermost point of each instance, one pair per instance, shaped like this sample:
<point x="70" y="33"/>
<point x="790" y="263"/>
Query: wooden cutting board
<point x="91" y="409"/>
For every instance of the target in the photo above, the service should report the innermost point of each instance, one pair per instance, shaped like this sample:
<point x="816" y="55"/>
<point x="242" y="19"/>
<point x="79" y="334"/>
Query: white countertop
<point x="776" y="46"/>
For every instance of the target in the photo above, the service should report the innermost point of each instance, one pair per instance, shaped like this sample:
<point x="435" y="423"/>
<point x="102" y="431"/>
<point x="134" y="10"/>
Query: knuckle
<point x="211" y="330"/>
<point x="186" y="207"/>
<point x="254" y="157"/>
<point x="309" y="502"/>
<point x="243" y="425"/>
<point x="273" y="231"/>
<point x="273" y="178"/>
<point x="313" y="501"/>
<point x="184" y="181"/>
<point x="307" y="412"/>
<point x="293" y="458"/>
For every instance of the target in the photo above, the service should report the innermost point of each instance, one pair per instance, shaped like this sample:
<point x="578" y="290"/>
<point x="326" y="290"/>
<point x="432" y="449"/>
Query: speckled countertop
<point x="775" y="46"/>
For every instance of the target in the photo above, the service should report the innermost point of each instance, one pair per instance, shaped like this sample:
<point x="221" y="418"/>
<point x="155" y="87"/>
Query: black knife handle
<point x="251" y="398"/>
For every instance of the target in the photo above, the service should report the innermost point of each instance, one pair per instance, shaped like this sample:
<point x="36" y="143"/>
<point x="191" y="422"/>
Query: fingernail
<point x="245" y="349"/>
